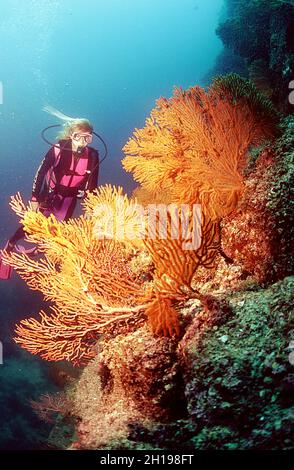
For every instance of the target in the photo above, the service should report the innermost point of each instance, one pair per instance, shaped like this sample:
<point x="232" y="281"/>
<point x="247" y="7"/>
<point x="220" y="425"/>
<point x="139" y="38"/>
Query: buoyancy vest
<point x="69" y="173"/>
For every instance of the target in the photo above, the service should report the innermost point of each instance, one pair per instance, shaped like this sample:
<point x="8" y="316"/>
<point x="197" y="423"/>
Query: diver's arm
<point x="93" y="180"/>
<point x="46" y="164"/>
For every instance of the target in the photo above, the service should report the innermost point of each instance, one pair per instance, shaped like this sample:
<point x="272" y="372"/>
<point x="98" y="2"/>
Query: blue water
<point x="108" y="61"/>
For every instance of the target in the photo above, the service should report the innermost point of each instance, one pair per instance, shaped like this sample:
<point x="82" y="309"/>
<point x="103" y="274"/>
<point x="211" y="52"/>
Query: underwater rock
<point x="134" y="380"/>
<point x="242" y="385"/>
<point x="146" y="368"/>
<point x="259" y="234"/>
<point x="227" y="385"/>
<point x="239" y="391"/>
<point x="261" y="32"/>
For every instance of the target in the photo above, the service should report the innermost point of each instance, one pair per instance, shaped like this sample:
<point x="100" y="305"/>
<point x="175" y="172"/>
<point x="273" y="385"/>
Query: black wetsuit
<point x="64" y="179"/>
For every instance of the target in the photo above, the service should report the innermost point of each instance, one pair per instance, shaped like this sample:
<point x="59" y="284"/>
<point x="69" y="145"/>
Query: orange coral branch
<point x="194" y="145"/>
<point x="175" y="267"/>
<point x="70" y="337"/>
<point x="87" y="279"/>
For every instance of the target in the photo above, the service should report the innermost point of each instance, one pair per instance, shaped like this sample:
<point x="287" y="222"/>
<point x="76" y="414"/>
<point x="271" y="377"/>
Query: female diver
<point x="68" y="170"/>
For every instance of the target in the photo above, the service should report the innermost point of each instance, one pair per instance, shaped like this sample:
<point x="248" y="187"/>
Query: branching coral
<point x="50" y="404"/>
<point x="194" y="145"/>
<point x="86" y="278"/>
<point x="175" y="265"/>
<point x="115" y="216"/>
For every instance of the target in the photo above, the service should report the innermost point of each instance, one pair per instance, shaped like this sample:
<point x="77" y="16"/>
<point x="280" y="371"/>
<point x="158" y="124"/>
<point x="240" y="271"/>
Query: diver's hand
<point x="80" y="194"/>
<point x="35" y="206"/>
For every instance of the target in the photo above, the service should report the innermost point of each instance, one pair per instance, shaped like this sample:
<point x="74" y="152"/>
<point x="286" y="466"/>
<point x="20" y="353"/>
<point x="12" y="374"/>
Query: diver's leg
<point x="65" y="208"/>
<point x="62" y="207"/>
<point x="70" y="208"/>
<point x="19" y="234"/>
<point x="64" y="211"/>
<point x="5" y="269"/>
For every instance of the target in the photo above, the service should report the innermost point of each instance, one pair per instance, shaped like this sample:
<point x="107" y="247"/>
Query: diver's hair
<point x="70" y="124"/>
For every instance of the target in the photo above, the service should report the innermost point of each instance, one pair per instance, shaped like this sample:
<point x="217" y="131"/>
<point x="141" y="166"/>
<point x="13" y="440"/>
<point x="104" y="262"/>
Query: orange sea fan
<point x="71" y="337"/>
<point x="195" y="145"/>
<point x="115" y="216"/>
<point x="175" y="261"/>
<point x="88" y="281"/>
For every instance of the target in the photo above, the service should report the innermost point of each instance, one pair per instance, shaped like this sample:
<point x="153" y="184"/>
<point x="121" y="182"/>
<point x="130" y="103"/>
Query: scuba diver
<point x="68" y="171"/>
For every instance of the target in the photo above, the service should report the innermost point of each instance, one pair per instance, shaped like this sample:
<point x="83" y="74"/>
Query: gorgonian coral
<point x="194" y="145"/>
<point x="86" y="278"/>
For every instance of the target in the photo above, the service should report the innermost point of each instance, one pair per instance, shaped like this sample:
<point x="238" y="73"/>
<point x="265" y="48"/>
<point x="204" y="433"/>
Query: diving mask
<point x="78" y="136"/>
